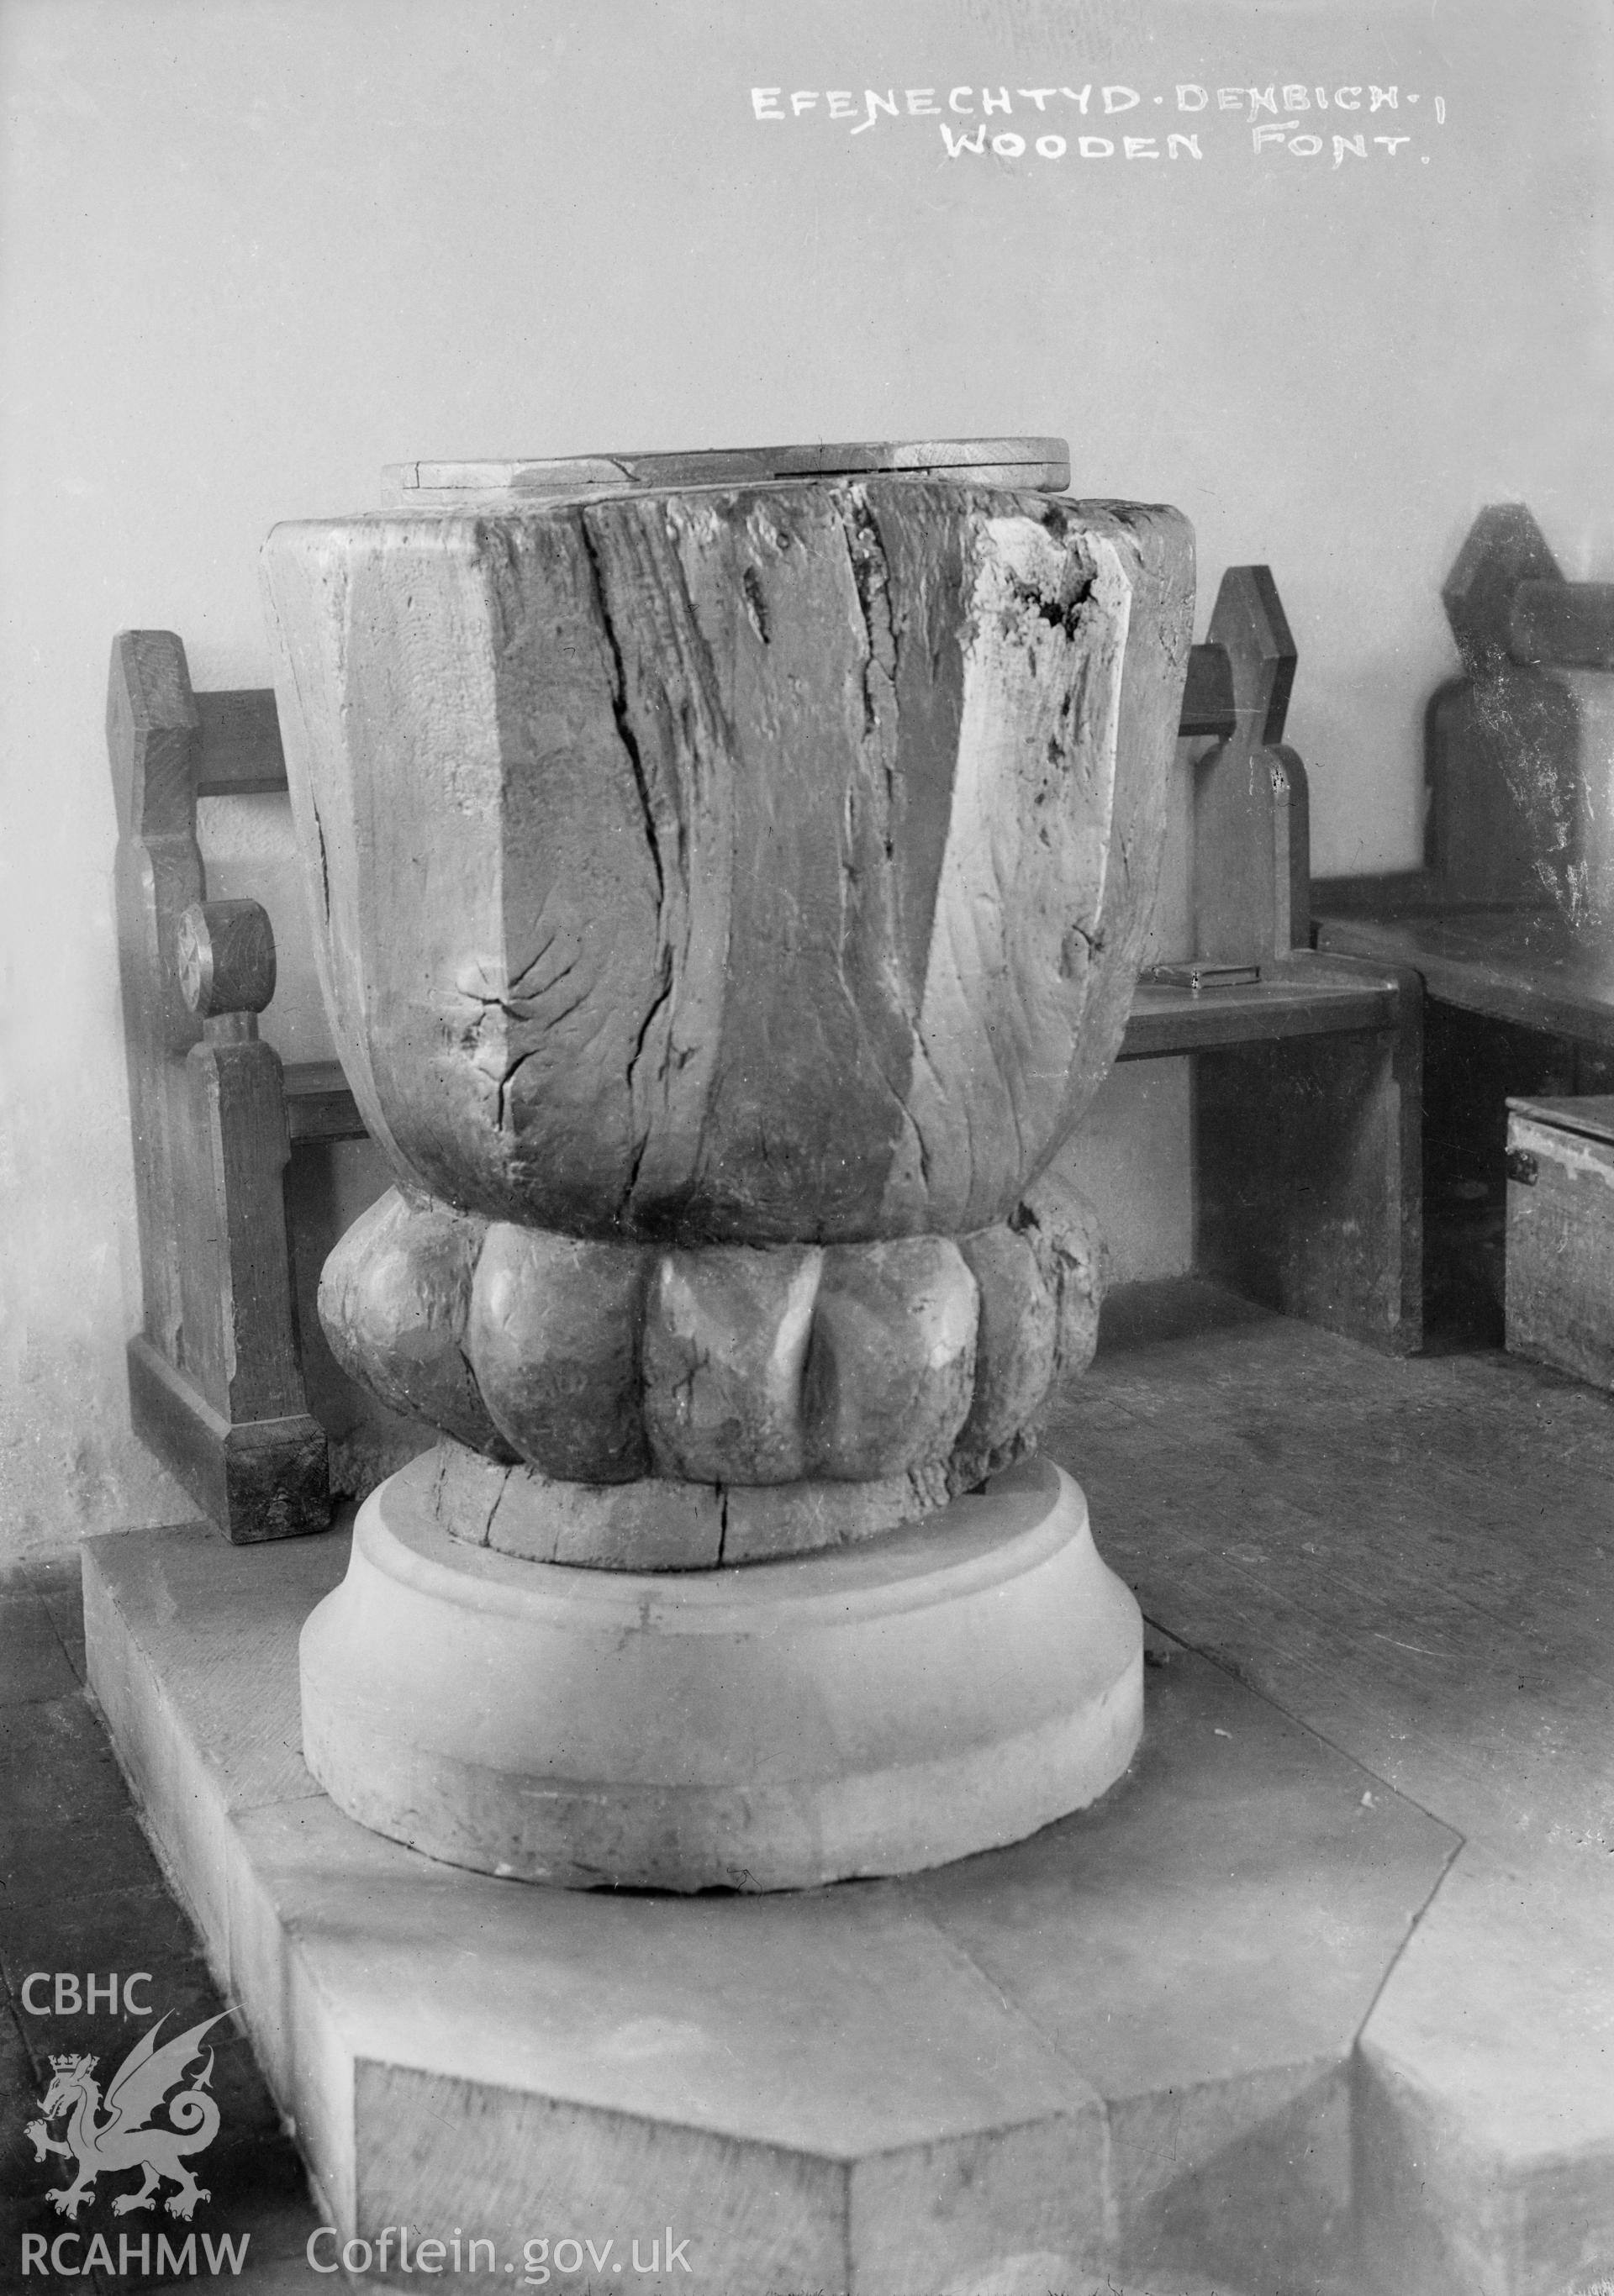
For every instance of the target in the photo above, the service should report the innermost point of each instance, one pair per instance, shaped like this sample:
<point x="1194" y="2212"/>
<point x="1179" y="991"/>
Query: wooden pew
<point x="1512" y="915"/>
<point x="1510" y="921"/>
<point x="215" y="1380"/>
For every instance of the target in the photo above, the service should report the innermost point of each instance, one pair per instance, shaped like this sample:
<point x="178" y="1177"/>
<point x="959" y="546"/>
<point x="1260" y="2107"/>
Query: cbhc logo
<point x="97" y="1993"/>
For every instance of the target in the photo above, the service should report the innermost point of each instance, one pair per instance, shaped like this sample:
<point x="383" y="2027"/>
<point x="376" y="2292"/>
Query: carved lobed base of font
<point x="905" y="1369"/>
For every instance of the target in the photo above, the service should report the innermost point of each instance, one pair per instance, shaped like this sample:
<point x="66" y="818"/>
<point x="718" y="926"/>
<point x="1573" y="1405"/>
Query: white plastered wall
<point x="251" y="252"/>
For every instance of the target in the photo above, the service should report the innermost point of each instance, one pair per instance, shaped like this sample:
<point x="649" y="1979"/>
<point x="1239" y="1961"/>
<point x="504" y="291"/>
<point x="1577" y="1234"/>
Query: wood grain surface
<point x="764" y="865"/>
<point x="395" y="1302"/>
<point x="226" y="954"/>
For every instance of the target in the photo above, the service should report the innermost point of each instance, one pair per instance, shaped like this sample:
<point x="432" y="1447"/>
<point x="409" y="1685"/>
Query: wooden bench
<point x="1306" y="1082"/>
<point x="1509" y="922"/>
<point x="215" y="1381"/>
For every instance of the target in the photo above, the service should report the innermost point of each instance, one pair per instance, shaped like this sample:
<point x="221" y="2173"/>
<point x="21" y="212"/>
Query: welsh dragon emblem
<point x="124" y="2139"/>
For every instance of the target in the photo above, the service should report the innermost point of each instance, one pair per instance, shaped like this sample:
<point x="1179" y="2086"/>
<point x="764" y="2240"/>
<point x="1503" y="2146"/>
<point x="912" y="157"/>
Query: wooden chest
<point x="1560" y="1234"/>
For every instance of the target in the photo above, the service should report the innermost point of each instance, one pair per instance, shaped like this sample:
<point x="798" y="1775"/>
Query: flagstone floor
<point x="1414" y="1560"/>
<point x="81" y="1897"/>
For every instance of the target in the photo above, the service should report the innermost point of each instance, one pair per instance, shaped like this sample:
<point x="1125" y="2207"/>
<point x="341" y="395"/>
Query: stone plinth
<point x="872" y="1710"/>
<point x="1120" y="2047"/>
